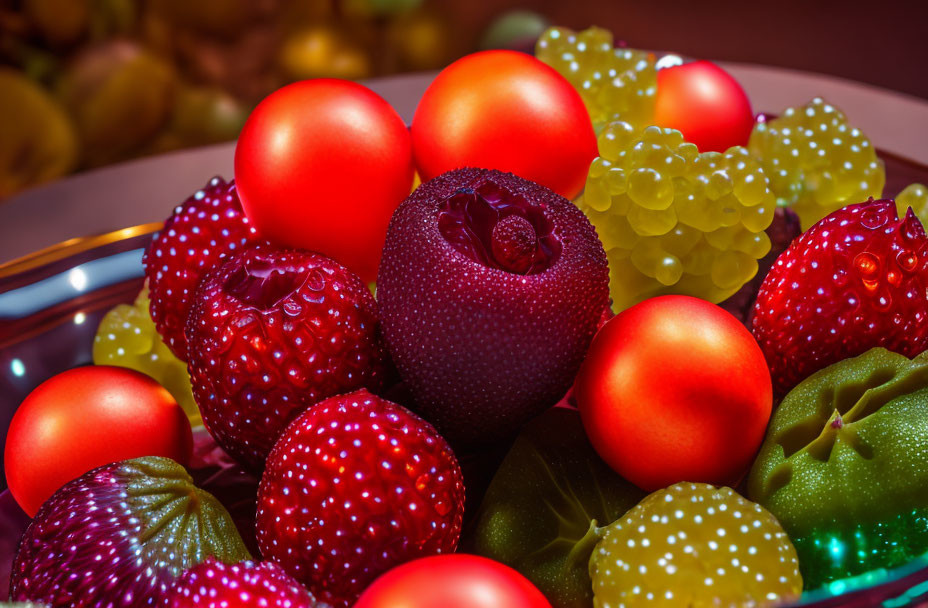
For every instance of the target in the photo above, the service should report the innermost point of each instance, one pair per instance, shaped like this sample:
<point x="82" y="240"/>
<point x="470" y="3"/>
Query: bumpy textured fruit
<point x="201" y="232"/>
<point x="844" y="467"/>
<point x="127" y="337"/>
<point x="121" y="533"/>
<point x="213" y="584"/>
<point x="693" y="544"/>
<point x="855" y="280"/>
<point x="916" y="197"/>
<point x="615" y="83"/>
<point x="672" y="220"/>
<point x="816" y="161"/>
<point x="271" y="332"/>
<point x="548" y="505"/>
<point x="355" y="486"/>
<point x="490" y="288"/>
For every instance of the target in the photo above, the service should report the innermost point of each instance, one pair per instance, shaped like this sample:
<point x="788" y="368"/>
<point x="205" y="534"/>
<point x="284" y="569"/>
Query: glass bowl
<point x="52" y="301"/>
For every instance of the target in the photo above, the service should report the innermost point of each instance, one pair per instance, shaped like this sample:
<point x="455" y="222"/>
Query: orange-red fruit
<point x="85" y="418"/>
<point x="508" y="111"/>
<point x="675" y="389"/>
<point x="321" y="165"/>
<point x="706" y="104"/>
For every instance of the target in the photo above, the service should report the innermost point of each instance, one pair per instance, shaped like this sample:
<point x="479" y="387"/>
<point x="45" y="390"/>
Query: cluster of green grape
<point x="673" y="220"/>
<point x="615" y="83"/>
<point x="127" y="337"/>
<point x="817" y="162"/>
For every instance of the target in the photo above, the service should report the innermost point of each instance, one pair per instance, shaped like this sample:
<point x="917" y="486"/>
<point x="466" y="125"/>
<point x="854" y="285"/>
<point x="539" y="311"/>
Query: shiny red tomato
<point x="84" y="418"/>
<point x="707" y="105"/>
<point x="508" y="111"/>
<point x="321" y="165"/>
<point x="452" y="581"/>
<point x="675" y="389"/>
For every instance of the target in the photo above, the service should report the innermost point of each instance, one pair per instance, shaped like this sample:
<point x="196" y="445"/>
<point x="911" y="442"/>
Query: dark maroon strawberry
<point x="855" y="280"/>
<point x="355" y="486"/>
<point x="213" y="584"/>
<point x="491" y="288"/>
<point x="271" y="332"/>
<point x="119" y="535"/>
<point x="202" y="231"/>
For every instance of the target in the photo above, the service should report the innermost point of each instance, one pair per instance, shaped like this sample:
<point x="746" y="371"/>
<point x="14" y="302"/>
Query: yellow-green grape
<point x="916" y="197"/>
<point x="672" y="220"/>
<point x="817" y="162"/>
<point x="693" y="544"/>
<point x="127" y="337"/>
<point x="615" y="83"/>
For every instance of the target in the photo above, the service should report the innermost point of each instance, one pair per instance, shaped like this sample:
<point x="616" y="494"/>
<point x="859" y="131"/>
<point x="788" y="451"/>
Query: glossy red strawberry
<point x="855" y="280"/>
<point x="271" y="332"/>
<point x="202" y="231"/>
<point x="213" y="584"/>
<point x="355" y="486"/>
<point x="119" y="535"/>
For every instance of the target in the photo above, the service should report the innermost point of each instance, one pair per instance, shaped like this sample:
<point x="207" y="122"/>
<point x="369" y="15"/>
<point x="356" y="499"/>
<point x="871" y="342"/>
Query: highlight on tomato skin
<point x="321" y="165"/>
<point x="508" y="111"/>
<point x="454" y="580"/>
<point x="675" y="389"/>
<point x="705" y="103"/>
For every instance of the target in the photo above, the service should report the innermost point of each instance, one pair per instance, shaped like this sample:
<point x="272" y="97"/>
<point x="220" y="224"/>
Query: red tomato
<point x="452" y="581"/>
<point x="508" y="111"/>
<point x="675" y="389"/>
<point x="84" y="418"/>
<point x="707" y="105"/>
<point x="321" y="165"/>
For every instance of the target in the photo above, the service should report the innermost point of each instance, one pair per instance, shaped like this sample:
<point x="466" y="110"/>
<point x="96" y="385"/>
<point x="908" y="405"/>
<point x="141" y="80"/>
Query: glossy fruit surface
<point x="705" y="103"/>
<point x="817" y="162"/>
<point x="844" y="469"/>
<point x="548" y="505"/>
<point x="201" y="232"/>
<point x="355" y="486"/>
<point x="119" y="535"/>
<point x="491" y="288"/>
<point x="321" y="165"/>
<point x="452" y="581"/>
<point x="672" y="220"/>
<point x="84" y="418"/>
<point x="127" y="337"/>
<point x="508" y="111"/>
<point x="271" y="332"/>
<point x="674" y="389"/>
<point x="855" y="280"/>
<point x="693" y="544"/>
<point x="615" y="82"/>
<point x="213" y="584"/>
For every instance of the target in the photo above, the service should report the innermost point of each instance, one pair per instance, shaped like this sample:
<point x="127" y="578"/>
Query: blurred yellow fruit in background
<point x="323" y="51"/>
<point x="119" y="95"/>
<point x="38" y="142"/>
<point x="421" y="40"/>
<point x="61" y="22"/>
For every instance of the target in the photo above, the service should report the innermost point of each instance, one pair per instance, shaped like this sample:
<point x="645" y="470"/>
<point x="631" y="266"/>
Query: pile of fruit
<point x="550" y="288"/>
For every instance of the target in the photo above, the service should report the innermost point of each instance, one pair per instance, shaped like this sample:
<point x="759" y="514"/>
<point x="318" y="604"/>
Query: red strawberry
<point x="119" y="535"/>
<point x="355" y="486"/>
<point x="213" y="584"/>
<point x="202" y="231"/>
<point x="853" y="281"/>
<point x="271" y="332"/>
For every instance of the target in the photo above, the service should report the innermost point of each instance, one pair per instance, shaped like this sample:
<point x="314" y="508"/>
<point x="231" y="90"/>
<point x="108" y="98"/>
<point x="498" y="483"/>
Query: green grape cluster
<point x="672" y="220"/>
<point x="817" y="162"/>
<point x="916" y="197"/>
<point x="615" y="83"/>
<point x="127" y="337"/>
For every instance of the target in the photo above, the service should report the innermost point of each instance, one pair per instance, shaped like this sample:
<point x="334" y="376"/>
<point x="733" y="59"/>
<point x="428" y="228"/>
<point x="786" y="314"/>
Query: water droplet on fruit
<point x="907" y="260"/>
<point x="873" y="219"/>
<point x="867" y="264"/>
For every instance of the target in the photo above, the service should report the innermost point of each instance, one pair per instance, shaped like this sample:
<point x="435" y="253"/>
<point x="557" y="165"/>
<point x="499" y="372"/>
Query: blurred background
<point x="86" y="83"/>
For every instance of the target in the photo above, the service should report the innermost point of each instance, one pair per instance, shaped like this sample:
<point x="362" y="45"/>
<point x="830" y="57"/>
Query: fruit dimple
<point x="262" y="283"/>
<point x="499" y="229"/>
